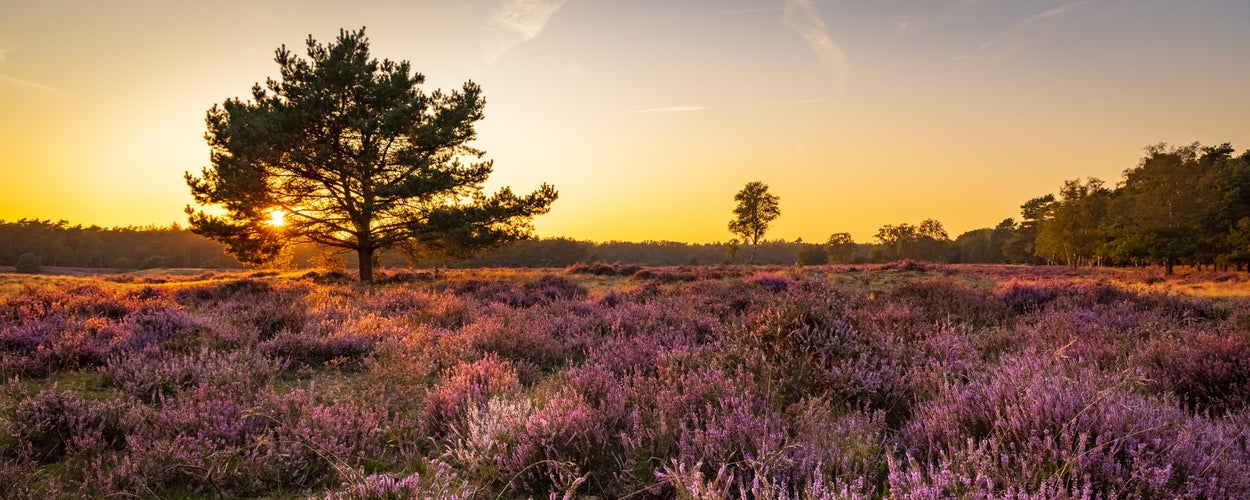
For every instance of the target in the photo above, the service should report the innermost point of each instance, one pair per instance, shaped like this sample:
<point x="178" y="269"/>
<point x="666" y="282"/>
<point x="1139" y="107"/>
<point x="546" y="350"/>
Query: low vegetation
<point x="899" y="380"/>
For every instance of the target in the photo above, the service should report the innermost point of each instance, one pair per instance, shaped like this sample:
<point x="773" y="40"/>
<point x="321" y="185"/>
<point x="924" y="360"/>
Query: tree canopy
<point x="756" y="209"/>
<point x="352" y="154"/>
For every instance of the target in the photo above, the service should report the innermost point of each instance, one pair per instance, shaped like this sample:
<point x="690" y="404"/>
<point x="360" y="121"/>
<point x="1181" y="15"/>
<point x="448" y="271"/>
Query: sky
<point x="649" y="115"/>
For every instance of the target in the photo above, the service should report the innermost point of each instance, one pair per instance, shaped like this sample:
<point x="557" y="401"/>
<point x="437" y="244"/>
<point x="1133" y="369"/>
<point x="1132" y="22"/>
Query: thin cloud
<point x="779" y="103"/>
<point x="687" y="109"/>
<point x="802" y="17"/>
<point x="515" y="22"/>
<point x="1021" y="25"/>
<point x="29" y="84"/>
<point x="669" y="109"/>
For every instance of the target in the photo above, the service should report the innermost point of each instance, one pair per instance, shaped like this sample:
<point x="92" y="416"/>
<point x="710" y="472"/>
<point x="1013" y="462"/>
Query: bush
<point x="29" y="263"/>
<point x="813" y="255"/>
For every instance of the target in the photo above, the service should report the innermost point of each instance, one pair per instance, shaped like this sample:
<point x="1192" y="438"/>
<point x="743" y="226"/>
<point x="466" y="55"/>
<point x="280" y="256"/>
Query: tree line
<point x="1179" y="205"/>
<point x="34" y="243"/>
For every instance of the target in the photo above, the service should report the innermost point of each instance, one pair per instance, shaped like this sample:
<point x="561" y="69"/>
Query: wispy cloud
<point x="1021" y="25"/>
<point x="514" y="22"/>
<point x="802" y="17"/>
<point x="687" y="109"/>
<point x="669" y="109"/>
<point x="779" y="103"/>
<point x="28" y="83"/>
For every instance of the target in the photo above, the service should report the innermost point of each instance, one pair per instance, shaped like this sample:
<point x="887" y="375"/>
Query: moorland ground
<point x="898" y="380"/>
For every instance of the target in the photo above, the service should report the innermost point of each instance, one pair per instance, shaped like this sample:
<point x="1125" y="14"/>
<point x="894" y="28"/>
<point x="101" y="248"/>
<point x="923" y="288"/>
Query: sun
<point x="277" y="218"/>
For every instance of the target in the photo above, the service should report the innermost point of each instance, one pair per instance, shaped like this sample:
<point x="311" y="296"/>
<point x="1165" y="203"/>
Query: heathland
<point x="896" y="380"/>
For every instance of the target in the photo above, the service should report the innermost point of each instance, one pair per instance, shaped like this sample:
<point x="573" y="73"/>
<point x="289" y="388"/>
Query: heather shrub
<point x="807" y="345"/>
<point x="905" y="265"/>
<point x="1023" y="297"/>
<point x="833" y="450"/>
<point x="1038" y="424"/>
<point x="602" y="269"/>
<point x="1208" y="370"/>
<point x="317" y="440"/>
<point x="545" y="290"/>
<point x="403" y="277"/>
<point x="151" y="373"/>
<point x="217" y="292"/>
<point x="702" y="383"/>
<point x="444" y="485"/>
<point x="557" y="444"/>
<point x="702" y="419"/>
<point x="1098" y="335"/>
<point x="198" y="443"/>
<point x="488" y="438"/>
<point x="519" y="336"/>
<point x="54" y="424"/>
<point x="948" y="300"/>
<point x="466" y="387"/>
<point x="308" y="348"/>
<point x="774" y="283"/>
<point x="415" y="307"/>
<point x="249" y="444"/>
<point x="667" y="275"/>
<point x="52" y="330"/>
<point x="257" y="305"/>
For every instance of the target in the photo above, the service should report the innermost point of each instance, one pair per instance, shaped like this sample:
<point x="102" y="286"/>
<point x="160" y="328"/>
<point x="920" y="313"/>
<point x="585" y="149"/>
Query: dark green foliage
<point x="1071" y="231"/>
<point x="813" y="255"/>
<point x="841" y="248"/>
<point x="927" y="241"/>
<point x="63" y="245"/>
<point x="29" y="263"/>
<point x="358" y="157"/>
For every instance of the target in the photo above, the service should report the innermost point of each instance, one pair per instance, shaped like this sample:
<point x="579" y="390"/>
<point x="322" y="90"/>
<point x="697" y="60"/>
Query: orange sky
<point x="649" y="115"/>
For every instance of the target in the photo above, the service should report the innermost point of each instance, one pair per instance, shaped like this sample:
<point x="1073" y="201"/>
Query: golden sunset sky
<point x="649" y="115"/>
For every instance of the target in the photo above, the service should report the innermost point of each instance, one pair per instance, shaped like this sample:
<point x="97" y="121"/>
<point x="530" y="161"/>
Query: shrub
<point x="55" y="423"/>
<point x="466" y="387"/>
<point x="1209" y="371"/>
<point x="812" y="255"/>
<point x="1037" y="424"/>
<point x="29" y="263"/>
<point x="444" y="485"/>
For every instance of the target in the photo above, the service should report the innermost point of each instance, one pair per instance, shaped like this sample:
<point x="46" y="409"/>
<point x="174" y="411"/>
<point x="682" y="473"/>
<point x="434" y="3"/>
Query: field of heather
<point x="901" y="380"/>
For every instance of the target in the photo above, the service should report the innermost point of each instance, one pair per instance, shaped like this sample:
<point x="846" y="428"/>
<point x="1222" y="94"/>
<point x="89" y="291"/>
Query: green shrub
<point x="29" y="263"/>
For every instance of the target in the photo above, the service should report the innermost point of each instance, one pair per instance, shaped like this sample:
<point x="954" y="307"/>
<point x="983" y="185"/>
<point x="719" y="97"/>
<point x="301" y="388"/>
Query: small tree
<point x="842" y="248"/>
<point x="756" y="209"/>
<point x="348" y="152"/>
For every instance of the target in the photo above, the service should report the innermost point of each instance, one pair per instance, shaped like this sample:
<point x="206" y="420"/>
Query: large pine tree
<point x="350" y="153"/>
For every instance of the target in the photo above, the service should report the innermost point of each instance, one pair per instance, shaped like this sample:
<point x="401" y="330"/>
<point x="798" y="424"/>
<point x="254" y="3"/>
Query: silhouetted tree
<point x="756" y="209"/>
<point x="357" y="157"/>
<point x="927" y="241"/>
<point x="842" y="248"/>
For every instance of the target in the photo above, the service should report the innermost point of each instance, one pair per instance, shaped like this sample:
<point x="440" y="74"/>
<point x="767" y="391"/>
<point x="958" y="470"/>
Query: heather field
<point x="902" y="380"/>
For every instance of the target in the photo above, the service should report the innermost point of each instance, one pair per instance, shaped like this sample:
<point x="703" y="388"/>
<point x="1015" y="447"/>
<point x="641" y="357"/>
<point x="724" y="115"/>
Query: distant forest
<point x="1185" y="205"/>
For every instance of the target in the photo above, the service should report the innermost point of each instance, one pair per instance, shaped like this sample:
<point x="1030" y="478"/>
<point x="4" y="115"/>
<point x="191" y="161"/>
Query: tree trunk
<point x="1168" y="264"/>
<point x="366" y="264"/>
